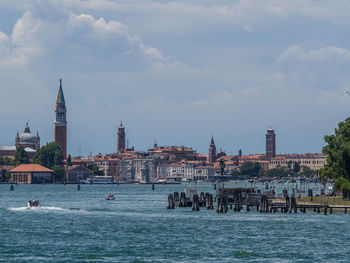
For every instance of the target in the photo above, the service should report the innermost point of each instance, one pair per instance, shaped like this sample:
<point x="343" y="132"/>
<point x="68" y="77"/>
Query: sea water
<point x="81" y="226"/>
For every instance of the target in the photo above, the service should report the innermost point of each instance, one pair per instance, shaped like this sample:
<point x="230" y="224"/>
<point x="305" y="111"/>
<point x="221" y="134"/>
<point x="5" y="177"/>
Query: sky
<point x="177" y="72"/>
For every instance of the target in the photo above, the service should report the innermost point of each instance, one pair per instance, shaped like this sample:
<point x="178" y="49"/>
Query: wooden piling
<point x="183" y="201"/>
<point x="78" y="188"/>
<point x="195" y="203"/>
<point x="11" y="187"/>
<point x="171" y="203"/>
<point x="176" y="198"/>
<point x="210" y="202"/>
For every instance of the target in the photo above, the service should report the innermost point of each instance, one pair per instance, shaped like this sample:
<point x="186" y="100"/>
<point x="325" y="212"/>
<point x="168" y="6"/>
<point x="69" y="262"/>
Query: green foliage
<point x="58" y="172"/>
<point x="6" y="161"/>
<point x="338" y="152"/>
<point x="307" y="172"/>
<point x="235" y="173"/>
<point x="69" y="160"/>
<point x="21" y="156"/>
<point x="296" y="168"/>
<point x="252" y="169"/>
<point x="96" y="169"/>
<point x="339" y="182"/>
<point x="7" y="176"/>
<point x="279" y="171"/>
<point x="49" y="155"/>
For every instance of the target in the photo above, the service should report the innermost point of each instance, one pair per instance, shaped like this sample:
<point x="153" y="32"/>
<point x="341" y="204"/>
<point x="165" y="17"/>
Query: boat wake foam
<point x="41" y="208"/>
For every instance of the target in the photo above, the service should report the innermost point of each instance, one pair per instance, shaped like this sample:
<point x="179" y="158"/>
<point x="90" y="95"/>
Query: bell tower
<point x="212" y="151"/>
<point x="121" y="138"/>
<point x="60" y="131"/>
<point x="270" y="144"/>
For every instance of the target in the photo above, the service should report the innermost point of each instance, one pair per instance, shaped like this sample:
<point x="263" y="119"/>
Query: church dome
<point x="26" y="137"/>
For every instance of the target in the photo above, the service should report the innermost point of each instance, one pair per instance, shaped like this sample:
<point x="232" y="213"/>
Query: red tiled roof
<point x="31" y="168"/>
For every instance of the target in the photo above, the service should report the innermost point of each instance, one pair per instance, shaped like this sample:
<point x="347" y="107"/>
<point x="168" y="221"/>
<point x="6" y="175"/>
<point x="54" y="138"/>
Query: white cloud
<point x="323" y="68"/>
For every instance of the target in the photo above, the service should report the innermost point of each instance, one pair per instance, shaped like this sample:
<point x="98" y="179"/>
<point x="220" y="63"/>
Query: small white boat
<point x="110" y="197"/>
<point x="33" y="203"/>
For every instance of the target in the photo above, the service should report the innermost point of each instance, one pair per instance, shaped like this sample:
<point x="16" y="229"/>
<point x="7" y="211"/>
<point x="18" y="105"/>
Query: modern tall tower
<point x="61" y="121"/>
<point x="212" y="151"/>
<point x="270" y="144"/>
<point x="121" y="138"/>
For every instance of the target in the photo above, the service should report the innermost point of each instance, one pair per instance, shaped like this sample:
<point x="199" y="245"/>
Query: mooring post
<point x="195" y="203"/>
<point x="78" y="187"/>
<point x="11" y="187"/>
<point x="331" y="210"/>
<point x="325" y="210"/>
<point x="183" y="201"/>
<point x="345" y="210"/>
<point x="171" y="204"/>
<point x="152" y="186"/>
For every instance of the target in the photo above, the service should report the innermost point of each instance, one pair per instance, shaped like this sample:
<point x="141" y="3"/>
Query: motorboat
<point x="110" y="197"/>
<point x="33" y="203"/>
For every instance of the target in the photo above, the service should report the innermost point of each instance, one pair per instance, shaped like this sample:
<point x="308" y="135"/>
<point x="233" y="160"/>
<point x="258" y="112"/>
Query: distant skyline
<point x="176" y="71"/>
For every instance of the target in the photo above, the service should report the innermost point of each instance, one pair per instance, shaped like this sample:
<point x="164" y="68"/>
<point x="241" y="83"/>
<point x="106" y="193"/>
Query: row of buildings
<point x="157" y="163"/>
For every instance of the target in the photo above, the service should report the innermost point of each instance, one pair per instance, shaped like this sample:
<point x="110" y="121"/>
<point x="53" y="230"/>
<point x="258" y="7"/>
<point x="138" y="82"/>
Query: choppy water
<point x="81" y="226"/>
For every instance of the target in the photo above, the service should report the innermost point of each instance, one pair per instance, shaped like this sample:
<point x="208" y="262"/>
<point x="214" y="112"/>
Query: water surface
<point x="81" y="226"/>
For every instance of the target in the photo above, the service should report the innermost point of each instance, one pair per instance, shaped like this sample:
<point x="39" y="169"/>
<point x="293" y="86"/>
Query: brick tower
<point x="212" y="151"/>
<point x="61" y="121"/>
<point x="270" y="144"/>
<point x="121" y="138"/>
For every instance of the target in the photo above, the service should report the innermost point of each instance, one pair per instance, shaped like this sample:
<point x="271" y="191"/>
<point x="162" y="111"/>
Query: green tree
<point x="58" y="171"/>
<point x="49" y="155"/>
<point x="338" y="152"/>
<point x="252" y="169"/>
<point x="307" y="172"/>
<point x="21" y="156"/>
<point x="96" y="170"/>
<point x="8" y="161"/>
<point x="235" y="173"/>
<point x="289" y="165"/>
<point x="279" y="171"/>
<point x="69" y="160"/>
<point x="296" y="168"/>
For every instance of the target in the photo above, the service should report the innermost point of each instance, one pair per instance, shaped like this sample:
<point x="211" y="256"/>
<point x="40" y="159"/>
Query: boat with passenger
<point x="33" y="203"/>
<point x="110" y="197"/>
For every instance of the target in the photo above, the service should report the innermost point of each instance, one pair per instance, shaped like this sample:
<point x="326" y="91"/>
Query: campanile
<point x="61" y="121"/>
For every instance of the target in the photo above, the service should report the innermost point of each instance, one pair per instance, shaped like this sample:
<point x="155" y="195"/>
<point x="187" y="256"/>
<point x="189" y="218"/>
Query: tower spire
<point x="60" y="96"/>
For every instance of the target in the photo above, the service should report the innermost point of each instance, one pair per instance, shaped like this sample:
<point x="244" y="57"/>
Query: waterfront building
<point x="78" y="173"/>
<point x="31" y="174"/>
<point x="270" y="144"/>
<point x="60" y="125"/>
<point x="176" y="153"/>
<point x="27" y="140"/>
<point x="141" y="170"/>
<point x="212" y="151"/>
<point x="121" y="138"/>
<point x="314" y="161"/>
<point x="204" y="172"/>
<point x="179" y="171"/>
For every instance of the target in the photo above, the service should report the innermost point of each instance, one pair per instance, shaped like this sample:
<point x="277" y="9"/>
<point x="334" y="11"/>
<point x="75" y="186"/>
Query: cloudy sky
<point x="176" y="71"/>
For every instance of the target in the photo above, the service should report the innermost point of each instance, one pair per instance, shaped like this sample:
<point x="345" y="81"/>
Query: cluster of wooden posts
<point x="237" y="198"/>
<point x="194" y="201"/>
